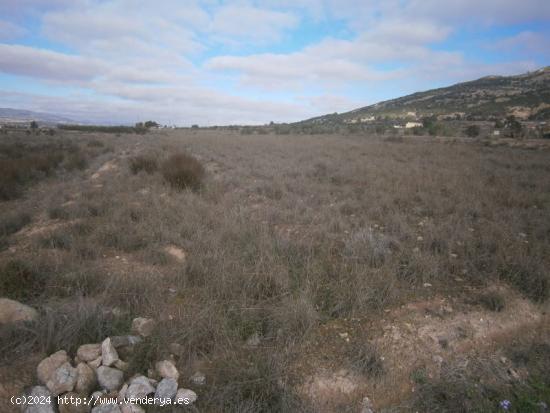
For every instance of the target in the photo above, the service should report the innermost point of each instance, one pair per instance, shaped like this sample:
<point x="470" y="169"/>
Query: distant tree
<point x="514" y="127"/>
<point x="472" y="131"/>
<point x="34" y="125"/>
<point x="151" y="124"/>
<point x="194" y="126"/>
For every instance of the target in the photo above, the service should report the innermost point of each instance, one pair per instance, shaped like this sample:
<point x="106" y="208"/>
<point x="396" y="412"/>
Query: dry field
<point x="299" y="273"/>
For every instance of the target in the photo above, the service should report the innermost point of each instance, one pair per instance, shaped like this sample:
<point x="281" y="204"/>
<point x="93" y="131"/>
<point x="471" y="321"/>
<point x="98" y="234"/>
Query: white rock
<point x="139" y="388"/>
<point x="86" y="380"/>
<point x="132" y="408"/>
<point x="12" y="311"/>
<point x="122" y="393"/>
<point x="89" y="352"/>
<point x="109" y="354"/>
<point x="167" y="370"/>
<point x="185" y="396"/>
<point x="95" y="363"/>
<point x="166" y="390"/>
<point x="109" y="378"/>
<point x="49" y="365"/>
<point x="198" y="379"/>
<point x="63" y="379"/>
<point x="73" y="403"/>
<point x="43" y="393"/>
<point x="121" y="365"/>
<point x="143" y="326"/>
<point x="106" y="408"/>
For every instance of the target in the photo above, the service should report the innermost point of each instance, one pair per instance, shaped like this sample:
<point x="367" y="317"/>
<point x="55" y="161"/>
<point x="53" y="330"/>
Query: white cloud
<point x="45" y="64"/>
<point x="10" y="31"/>
<point x="251" y="23"/>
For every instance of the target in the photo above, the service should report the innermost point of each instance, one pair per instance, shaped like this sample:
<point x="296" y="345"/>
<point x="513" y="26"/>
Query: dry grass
<point x="183" y="171"/>
<point x="287" y="232"/>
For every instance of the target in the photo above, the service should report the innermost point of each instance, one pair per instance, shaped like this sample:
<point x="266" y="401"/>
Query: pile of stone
<point x="95" y="381"/>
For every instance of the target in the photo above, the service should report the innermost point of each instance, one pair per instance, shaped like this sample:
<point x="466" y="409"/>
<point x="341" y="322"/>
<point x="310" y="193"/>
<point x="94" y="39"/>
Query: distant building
<point x="410" y="125"/>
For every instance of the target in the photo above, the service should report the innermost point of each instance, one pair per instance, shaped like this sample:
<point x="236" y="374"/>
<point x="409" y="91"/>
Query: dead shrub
<point x="13" y="222"/>
<point x="183" y="171"/>
<point x="20" y="281"/>
<point x="146" y="163"/>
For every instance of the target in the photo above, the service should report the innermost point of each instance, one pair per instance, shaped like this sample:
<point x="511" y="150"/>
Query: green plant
<point x="146" y="163"/>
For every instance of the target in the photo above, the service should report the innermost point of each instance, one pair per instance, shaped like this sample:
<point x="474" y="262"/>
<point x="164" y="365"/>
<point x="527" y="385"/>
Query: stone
<point x="109" y="354"/>
<point x="86" y="380"/>
<point x="121" y="395"/>
<point x="139" y="388"/>
<point x="49" y="365"/>
<point x="254" y="340"/>
<point x="121" y="365"/>
<point x="89" y="352"/>
<point x="42" y="393"/>
<point x="109" y="378"/>
<point x="132" y="408"/>
<point x="166" y="390"/>
<point x="63" y="379"/>
<point x="366" y="406"/>
<point x="95" y="364"/>
<point x="73" y="403"/>
<point x="12" y="311"/>
<point x="198" y="379"/>
<point x="143" y="326"/>
<point x="167" y="370"/>
<point x="185" y="396"/>
<point x="107" y="408"/>
<point x="123" y="341"/>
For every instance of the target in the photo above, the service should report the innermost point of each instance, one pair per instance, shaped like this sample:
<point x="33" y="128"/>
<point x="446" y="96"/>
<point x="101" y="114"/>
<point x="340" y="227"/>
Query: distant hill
<point x="8" y="115"/>
<point x="525" y="96"/>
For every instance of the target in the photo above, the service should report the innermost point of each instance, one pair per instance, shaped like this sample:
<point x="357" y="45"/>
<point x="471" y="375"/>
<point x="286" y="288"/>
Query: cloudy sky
<point x="224" y="62"/>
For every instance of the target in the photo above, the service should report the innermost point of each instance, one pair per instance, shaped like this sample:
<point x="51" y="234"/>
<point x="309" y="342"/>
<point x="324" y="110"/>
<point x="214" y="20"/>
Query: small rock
<point x="437" y="359"/>
<point x="107" y="408"/>
<point x="177" y="253"/>
<point x="73" y="403"/>
<point x="12" y="311"/>
<point x="185" y="396"/>
<point x="167" y="370"/>
<point x="139" y="388"/>
<point x="198" y="379"/>
<point x="49" y="365"/>
<point x="132" y="408"/>
<point x="95" y="364"/>
<point x="39" y="392"/>
<point x="109" y="354"/>
<point x="426" y="285"/>
<point x="122" y="393"/>
<point x="86" y="380"/>
<point x="514" y="374"/>
<point x="366" y="406"/>
<point x="254" y="340"/>
<point x="121" y="365"/>
<point x="63" y="379"/>
<point x="166" y="390"/>
<point x="109" y="378"/>
<point x="143" y="326"/>
<point x="419" y="238"/>
<point x="89" y="352"/>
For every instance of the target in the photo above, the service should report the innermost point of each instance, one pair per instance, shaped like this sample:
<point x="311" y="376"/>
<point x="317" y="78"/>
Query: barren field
<point x="298" y="273"/>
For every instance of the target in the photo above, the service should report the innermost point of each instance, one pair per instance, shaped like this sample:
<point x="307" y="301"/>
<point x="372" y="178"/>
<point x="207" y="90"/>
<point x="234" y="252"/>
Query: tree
<point x="34" y="125"/>
<point x="472" y="131"/>
<point x="515" y="128"/>
<point x="151" y="124"/>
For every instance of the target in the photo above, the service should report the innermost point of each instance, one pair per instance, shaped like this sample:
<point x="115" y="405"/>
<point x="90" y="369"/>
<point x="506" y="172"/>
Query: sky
<point x="211" y="62"/>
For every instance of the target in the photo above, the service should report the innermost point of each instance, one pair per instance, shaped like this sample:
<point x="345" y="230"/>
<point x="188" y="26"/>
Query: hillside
<point x="8" y="115"/>
<point x="525" y="96"/>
